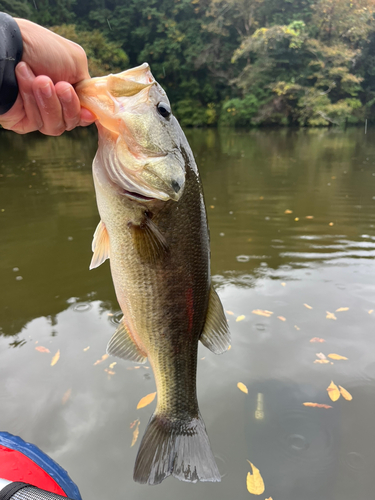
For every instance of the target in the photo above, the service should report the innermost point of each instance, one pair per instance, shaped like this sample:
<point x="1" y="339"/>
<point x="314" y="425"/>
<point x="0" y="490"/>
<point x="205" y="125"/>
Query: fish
<point x="154" y="231"/>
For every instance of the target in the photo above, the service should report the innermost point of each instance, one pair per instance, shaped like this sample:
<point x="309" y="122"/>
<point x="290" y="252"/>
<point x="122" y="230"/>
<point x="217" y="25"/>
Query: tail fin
<point x="178" y="447"/>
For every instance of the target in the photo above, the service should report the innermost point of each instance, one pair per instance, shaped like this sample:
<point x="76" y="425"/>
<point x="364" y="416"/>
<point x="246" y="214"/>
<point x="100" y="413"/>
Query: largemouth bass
<point x="154" y="230"/>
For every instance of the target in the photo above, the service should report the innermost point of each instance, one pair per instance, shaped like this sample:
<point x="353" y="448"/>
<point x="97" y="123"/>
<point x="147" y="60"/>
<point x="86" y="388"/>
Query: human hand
<point x="47" y="101"/>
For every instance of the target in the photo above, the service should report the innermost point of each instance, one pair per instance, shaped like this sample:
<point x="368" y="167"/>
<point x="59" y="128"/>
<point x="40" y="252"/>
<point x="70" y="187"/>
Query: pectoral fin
<point x="100" y="246"/>
<point x="123" y="346"/>
<point x="215" y="335"/>
<point x="150" y="243"/>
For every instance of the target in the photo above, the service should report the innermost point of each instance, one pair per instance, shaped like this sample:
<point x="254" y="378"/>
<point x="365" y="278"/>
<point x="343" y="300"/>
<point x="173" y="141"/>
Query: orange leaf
<point x="336" y="356"/>
<point x="307" y="305"/>
<point x="317" y="339"/>
<point x="261" y="312"/>
<point x="230" y="312"/>
<point x="146" y="400"/>
<point x="316" y="405"/>
<point x="288" y="211"/>
<point x="103" y="358"/>
<point x="345" y="394"/>
<point x="322" y="361"/>
<point x="55" y="358"/>
<point x="42" y="349"/>
<point x="281" y="318"/>
<point x="254" y="481"/>
<point x="242" y="387"/>
<point x="333" y="391"/>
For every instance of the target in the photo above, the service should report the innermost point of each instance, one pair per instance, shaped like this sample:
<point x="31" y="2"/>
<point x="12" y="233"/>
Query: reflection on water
<point x="292" y="217"/>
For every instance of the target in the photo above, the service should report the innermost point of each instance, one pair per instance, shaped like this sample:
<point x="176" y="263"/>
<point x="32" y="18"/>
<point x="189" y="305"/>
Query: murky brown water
<point x="262" y="259"/>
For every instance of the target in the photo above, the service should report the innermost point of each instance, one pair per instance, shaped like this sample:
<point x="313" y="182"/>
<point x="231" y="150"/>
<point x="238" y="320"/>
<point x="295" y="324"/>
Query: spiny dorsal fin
<point x="120" y="87"/>
<point x="215" y="335"/>
<point x="150" y="243"/>
<point x="100" y="246"/>
<point x="123" y="346"/>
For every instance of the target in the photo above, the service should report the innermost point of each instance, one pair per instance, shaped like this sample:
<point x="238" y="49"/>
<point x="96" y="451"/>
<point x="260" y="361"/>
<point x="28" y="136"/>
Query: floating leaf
<point x="55" y="358"/>
<point x="341" y="309"/>
<point x="242" y="387"/>
<point x="103" y="358"/>
<point x="229" y="348"/>
<point x="336" y="356"/>
<point x="254" y="481"/>
<point x="281" y="318"/>
<point x="212" y="206"/>
<point x="110" y="372"/>
<point x="230" y="312"/>
<point x="309" y="216"/>
<point x="297" y="327"/>
<point x="317" y="339"/>
<point x="345" y="394"/>
<point x="333" y="391"/>
<point x="288" y="211"/>
<point x="146" y="400"/>
<point x="371" y="311"/>
<point x="283" y="284"/>
<point x="66" y="396"/>
<point x="307" y="305"/>
<point x="261" y="312"/>
<point x="86" y="348"/>
<point x="135" y="434"/>
<point x="320" y="355"/>
<point x="42" y="349"/>
<point x="296" y="219"/>
<point x="330" y="315"/>
<point x="321" y="361"/>
<point x="316" y="405"/>
<point x="112" y="365"/>
<point x="240" y="318"/>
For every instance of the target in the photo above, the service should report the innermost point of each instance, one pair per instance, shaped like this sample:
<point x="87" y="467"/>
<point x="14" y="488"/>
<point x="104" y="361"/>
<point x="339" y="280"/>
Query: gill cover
<point x="139" y="145"/>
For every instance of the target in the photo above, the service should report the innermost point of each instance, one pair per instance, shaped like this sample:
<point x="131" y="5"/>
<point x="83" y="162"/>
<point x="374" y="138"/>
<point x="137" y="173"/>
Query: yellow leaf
<point x="135" y="434"/>
<point x="110" y="372"/>
<point x="66" y="396"/>
<point x="345" y="394"/>
<point x="330" y="315"/>
<point x="309" y="216"/>
<point x="261" y="312"/>
<point x="240" y="318"/>
<point x="254" y="481"/>
<point x="230" y="312"/>
<point x="55" y="358"/>
<point x="288" y="211"/>
<point x="113" y="364"/>
<point x="296" y="219"/>
<point x="336" y="356"/>
<point x="297" y="327"/>
<point x="333" y="391"/>
<point x="281" y="318"/>
<point x="341" y="309"/>
<point x="42" y="349"/>
<point x="330" y="224"/>
<point x="146" y="400"/>
<point x="371" y="311"/>
<point x="242" y="387"/>
<point x="103" y="358"/>
<point x="86" y="348"/>
<point x="283" y="284"/>
<point x="307" y="305"/>
<point x="321" y="361"/>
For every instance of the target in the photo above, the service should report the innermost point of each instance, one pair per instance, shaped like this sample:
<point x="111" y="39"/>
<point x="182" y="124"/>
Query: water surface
<point x="292" y="219"/>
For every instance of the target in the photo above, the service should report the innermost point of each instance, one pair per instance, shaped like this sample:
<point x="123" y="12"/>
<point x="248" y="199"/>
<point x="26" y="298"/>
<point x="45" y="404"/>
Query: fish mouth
<point x="132" y="195"/>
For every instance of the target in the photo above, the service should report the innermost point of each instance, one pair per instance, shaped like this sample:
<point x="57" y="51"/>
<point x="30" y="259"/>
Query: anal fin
<point x="100" y="246"/>
<point x="123" y="346"/>
<point x="215" y="335"/>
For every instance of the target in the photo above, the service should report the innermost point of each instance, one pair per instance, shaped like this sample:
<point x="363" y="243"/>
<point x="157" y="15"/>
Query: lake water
<point x="292" y="223"/>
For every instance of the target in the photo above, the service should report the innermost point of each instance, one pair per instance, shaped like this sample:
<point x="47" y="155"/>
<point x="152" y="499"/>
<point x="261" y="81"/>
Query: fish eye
<point x="164" y="109"/>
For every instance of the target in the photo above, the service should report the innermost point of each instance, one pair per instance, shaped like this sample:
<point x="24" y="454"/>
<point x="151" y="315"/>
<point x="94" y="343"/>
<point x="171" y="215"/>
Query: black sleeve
<point x="10" y="55"/>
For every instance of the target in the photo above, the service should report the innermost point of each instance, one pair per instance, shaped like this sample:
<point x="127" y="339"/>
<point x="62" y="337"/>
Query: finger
<point x="49" y="106"/>
<point x="71" y="106"/>
<point x="31" y="119"/>
<point x="87" y="118"/>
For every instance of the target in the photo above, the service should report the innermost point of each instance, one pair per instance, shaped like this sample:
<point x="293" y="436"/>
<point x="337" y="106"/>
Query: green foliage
<point x="234" y="62"/>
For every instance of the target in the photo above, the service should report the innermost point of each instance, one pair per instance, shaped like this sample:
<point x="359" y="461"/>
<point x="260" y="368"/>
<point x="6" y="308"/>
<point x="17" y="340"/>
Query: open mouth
<point x="136" y="196"/>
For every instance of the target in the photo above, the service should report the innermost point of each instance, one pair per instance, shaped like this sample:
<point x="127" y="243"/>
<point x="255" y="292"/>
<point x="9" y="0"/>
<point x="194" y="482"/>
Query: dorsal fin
<point x="123" y="346"/>
<point x="150" y="243"/>
<point x="100" y="246"/>
<point x="215" y="335"/>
